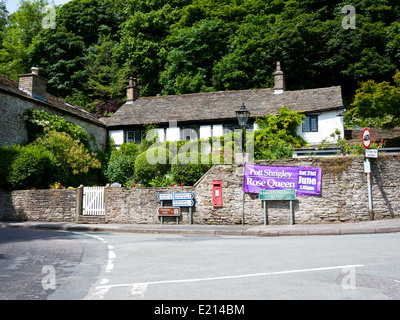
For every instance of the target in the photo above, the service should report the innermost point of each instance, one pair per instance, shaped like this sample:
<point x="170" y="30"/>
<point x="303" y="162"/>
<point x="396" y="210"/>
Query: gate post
<point x="79" y="201"/>
<point x="105" y="201"/>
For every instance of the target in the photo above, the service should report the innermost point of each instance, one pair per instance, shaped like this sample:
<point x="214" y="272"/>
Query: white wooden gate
<point x="93" y="201"/>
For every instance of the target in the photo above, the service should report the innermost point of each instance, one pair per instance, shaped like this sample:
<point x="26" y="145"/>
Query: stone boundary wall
<point x="38" y="205"/>
<point x="344" y="197"/>
<point x="139" y="205"/>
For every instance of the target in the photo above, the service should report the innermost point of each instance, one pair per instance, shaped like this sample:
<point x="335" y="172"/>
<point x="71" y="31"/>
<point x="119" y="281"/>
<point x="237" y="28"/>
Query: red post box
<point x="217" y="193"/>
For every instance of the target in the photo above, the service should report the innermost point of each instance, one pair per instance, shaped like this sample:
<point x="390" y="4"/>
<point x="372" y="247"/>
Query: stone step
<point x="91" y="219"/>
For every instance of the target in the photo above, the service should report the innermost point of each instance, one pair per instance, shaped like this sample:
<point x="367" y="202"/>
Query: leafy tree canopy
<point x="184" y="46"/>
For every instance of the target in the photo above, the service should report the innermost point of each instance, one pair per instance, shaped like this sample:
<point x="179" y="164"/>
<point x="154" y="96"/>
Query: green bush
<point x="33" y="167"/>
<point x="7" y="156"/>
<point x="189" y="167"/>
<point x="118" y="168"/>
<point x="150" y="164"/>
<point x="37" y="122"/>
<point x="121" y="163"/>
<point x="73" y="158"/>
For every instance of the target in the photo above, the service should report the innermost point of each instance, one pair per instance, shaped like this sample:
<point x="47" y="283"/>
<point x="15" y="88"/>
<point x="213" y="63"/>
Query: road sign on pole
<point x="371" y="153"/>
<point x="366" y="138"/>
<point x="169" y="212"/>
<point x="277" y="194"/>
<point x="182" y="203"/>
<point x="183" y="195"/>
<point x="165" y="196"/>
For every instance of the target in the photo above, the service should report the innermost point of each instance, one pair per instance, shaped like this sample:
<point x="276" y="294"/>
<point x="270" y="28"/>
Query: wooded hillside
<point x="184" y="46"/>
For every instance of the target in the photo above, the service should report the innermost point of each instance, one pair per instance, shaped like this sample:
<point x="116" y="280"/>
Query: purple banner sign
<point x="305" y="180"/>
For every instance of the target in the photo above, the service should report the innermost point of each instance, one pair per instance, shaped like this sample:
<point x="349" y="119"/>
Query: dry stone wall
<point x="38" y="205"/>
<point x="344" y="197"/>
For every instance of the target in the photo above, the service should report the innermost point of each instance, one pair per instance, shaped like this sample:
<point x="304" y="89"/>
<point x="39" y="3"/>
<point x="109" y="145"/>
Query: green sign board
<point x="277" y="194"/>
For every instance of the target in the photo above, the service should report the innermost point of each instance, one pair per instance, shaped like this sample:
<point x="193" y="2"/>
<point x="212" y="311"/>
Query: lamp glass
<point x="242" y="115"/>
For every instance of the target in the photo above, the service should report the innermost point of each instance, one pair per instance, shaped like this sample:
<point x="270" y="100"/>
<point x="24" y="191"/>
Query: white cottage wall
<point x="328" y="122"/>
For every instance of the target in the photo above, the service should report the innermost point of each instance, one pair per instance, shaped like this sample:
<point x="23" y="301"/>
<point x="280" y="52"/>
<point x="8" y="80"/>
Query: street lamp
<point x="243" y="116"/>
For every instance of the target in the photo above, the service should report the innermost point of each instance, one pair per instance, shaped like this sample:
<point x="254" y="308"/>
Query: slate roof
<point x="11" y="86"/>
<point x="214" y="106"/>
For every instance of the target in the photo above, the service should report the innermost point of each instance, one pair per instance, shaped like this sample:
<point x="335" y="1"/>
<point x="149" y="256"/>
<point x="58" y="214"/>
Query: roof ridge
<point x="64" y="106"/>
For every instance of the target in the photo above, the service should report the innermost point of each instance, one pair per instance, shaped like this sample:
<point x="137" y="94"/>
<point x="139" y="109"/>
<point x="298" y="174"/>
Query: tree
<point x="142" y="48"/>
<point x="152" y="163"/>
<point x="377" y="104"/>
<point x="19" y="32"/>
<point x="64" y="55"/>
<point x="190" y="61"/>
<point x="3" y="20"/>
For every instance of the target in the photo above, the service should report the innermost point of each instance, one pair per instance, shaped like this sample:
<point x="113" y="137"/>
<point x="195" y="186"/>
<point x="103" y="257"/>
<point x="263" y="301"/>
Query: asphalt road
<point x="40" y="265"/>
<point x="124" y="266"/>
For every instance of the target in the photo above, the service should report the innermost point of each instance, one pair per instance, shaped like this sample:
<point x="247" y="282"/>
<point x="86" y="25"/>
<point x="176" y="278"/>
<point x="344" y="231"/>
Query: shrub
<point x="7" y="156"/>
<point x="33" y="166"/>
<point x="118" y="168"/>
<point x="188" y="168"/>
<point x="73" y="158"/>
<point x="37" y="122"/>
<point x="277" y="135"/>
<point x="121" y="163"/>
<point x="150" y="164"/>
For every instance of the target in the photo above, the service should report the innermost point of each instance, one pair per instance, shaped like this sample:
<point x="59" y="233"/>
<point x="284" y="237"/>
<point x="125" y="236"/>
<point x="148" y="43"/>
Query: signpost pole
<point x="291" y="212"/>
<point x="371" y="214"/>
<point x="366" y="140"/>
<point x="243" y="210"/>
<point x="265" y="212"/>
<point x="190" y="215"/>
<point x="162" y="218"/>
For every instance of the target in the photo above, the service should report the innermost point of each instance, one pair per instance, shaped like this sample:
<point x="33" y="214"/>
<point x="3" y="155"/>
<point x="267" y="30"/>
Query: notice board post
<point x="267" y="195"/>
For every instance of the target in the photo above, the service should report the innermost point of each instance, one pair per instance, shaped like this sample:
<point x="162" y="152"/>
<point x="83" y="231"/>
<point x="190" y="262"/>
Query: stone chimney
<point x="33" y="84"/>
<point x="132" y="90"/>
<point x="279" y="79"/>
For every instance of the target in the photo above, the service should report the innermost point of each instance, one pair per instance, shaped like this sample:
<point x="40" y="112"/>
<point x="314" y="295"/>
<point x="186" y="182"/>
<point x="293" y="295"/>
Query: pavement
<point x="368" y="227"/>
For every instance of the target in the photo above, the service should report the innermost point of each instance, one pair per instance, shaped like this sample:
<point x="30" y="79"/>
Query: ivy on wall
<point x="38" y="121"/>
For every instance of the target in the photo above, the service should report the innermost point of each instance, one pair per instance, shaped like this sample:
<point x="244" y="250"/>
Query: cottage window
<point x="310" y="124"/>
<point x="134" y="136"/>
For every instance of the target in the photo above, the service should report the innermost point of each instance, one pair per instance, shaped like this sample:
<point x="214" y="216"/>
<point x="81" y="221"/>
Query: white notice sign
<point x="367" y="166"/>
<point x="371" y="153"/>
<point x="183" y="195"/>
<point x="182" y="203"/>
<point x="165" y="196"/>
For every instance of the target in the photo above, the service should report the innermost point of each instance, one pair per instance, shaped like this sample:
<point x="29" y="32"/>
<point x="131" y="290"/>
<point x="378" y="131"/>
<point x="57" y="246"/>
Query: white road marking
<point x="101" y="290"/>
<point x="138" y="289"/>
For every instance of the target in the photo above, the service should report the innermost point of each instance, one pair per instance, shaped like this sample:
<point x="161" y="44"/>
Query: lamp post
<point x="242" y="116"/>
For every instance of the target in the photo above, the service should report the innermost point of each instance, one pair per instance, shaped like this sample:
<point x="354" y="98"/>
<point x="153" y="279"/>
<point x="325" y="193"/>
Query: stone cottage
<point x="178" y="117"/>
<point x="30" y="93"/>
<point x="202" y="115"/>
